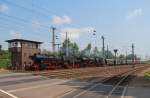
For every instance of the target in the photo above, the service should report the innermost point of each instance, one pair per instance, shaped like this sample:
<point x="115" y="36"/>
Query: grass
<point x="147" y="75"/>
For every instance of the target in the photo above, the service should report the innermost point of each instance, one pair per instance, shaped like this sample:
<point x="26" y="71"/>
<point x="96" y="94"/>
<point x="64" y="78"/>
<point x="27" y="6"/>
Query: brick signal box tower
<point x="21" y="51"/>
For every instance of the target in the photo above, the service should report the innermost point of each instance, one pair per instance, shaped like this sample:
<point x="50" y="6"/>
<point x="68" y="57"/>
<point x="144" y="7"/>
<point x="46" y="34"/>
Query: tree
<point x="122" y="56"/>
<point x="75" y="49"/>
<point x="95" y="52"/>
<point x="129" y="57"/>
<point x="49" y="53"/>
<point x="89" y="46"/>
<point x="109" y="55"/>
<point x="72" y="48"/>
<point x="5" y="59"/>
<point x="87" y="51"/>
<point x="44" y="51"/>
<point x="5" y="54"/>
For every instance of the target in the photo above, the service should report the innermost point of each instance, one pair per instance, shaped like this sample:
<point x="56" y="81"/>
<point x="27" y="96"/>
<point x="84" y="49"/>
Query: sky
<point x="121" y="22"/>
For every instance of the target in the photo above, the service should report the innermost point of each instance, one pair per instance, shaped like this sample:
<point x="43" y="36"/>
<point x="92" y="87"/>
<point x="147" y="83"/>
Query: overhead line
<point x="7" y="25"/>
<point x="17" y="23"/>
<point x="27" y="9"/>
<point x="46" y="10"/>
<point x="23" y="20"/>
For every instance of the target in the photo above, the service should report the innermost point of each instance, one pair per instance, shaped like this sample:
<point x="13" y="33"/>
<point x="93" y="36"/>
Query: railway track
<point x="122" y="82"/>
<point x="111" y="87"/>
<point x="84" y="72"/>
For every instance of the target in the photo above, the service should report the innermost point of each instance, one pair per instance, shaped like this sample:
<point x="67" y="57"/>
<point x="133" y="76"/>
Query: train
<point x="42" y="62"/>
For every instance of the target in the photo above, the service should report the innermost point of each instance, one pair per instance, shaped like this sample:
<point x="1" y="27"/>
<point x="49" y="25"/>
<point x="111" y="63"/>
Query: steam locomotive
<point x="41" y="62"/>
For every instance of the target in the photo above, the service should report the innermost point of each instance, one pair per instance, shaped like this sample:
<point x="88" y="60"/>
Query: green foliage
<point x="121" y="56"/>
<point x="109" y="55"/>
<point x="5" y="54"/>
<point x="129" y="57"/>
<point x="4" y="63"/>
<point x="49" y="53"/>
<point x="147" y="62"/>
<point x="72" y="48"/>
<point x="147" y="75"/>
<point x="5" y="59"/>
<point x="96" y="52"/>
<point x="89" y="46"/>
<point x="87" y="51"/>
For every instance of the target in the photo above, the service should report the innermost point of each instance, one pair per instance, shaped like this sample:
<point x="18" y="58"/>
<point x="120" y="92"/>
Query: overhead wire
<point x="21" y="19"/>
<point x="16" y="23"/>
<point x="28" y="9"/>
<point x="25" y="8"/>
<point x="21" y="26"/>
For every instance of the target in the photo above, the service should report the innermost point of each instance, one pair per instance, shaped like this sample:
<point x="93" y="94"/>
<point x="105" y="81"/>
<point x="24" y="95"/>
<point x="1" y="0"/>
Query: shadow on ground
<point x="139" y="87"/>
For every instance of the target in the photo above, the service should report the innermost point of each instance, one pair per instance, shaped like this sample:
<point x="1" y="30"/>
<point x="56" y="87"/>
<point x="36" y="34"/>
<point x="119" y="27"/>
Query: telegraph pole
<point x="103" y="47"/>
<point x="67" y="54"/>
<point x="126" y="57"/>
<point x="107" y="52"/>
<point x="53" y="39"/>
<point x="58" y="45"/>
<point x="133" y="58"/>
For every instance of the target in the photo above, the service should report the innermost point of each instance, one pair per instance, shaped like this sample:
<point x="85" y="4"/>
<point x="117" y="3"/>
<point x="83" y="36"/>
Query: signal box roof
<point x="23" y="40"/>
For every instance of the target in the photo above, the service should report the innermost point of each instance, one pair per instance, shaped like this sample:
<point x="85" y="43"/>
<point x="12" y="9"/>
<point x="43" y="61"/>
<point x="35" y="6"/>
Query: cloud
<point x="57" y="20"/>
<point x="15" y="35"/>
<point x="135" y="13"/>
<point x="3" y="8"/>
<point x="75" y="33"/>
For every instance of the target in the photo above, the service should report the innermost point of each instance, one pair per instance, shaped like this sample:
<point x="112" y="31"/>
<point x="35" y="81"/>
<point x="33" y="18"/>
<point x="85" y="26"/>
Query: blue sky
<point x="122" y="22"/>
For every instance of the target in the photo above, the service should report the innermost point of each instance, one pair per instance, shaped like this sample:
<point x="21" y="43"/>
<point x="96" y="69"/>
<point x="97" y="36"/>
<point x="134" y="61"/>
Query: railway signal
<point x="115" y="51"/>
<point x="103" y="46"/>
<point x="94" y="32"/>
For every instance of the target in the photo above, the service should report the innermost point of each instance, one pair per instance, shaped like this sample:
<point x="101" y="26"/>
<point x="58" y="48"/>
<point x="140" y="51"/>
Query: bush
<point x="4" y="63"/>
<point x="5" y="59"/>
<point x="147" y="75"/>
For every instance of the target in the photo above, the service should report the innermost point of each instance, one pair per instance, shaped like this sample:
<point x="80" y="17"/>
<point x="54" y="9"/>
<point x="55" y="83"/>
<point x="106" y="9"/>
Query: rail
<point x="109" y="94"/>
